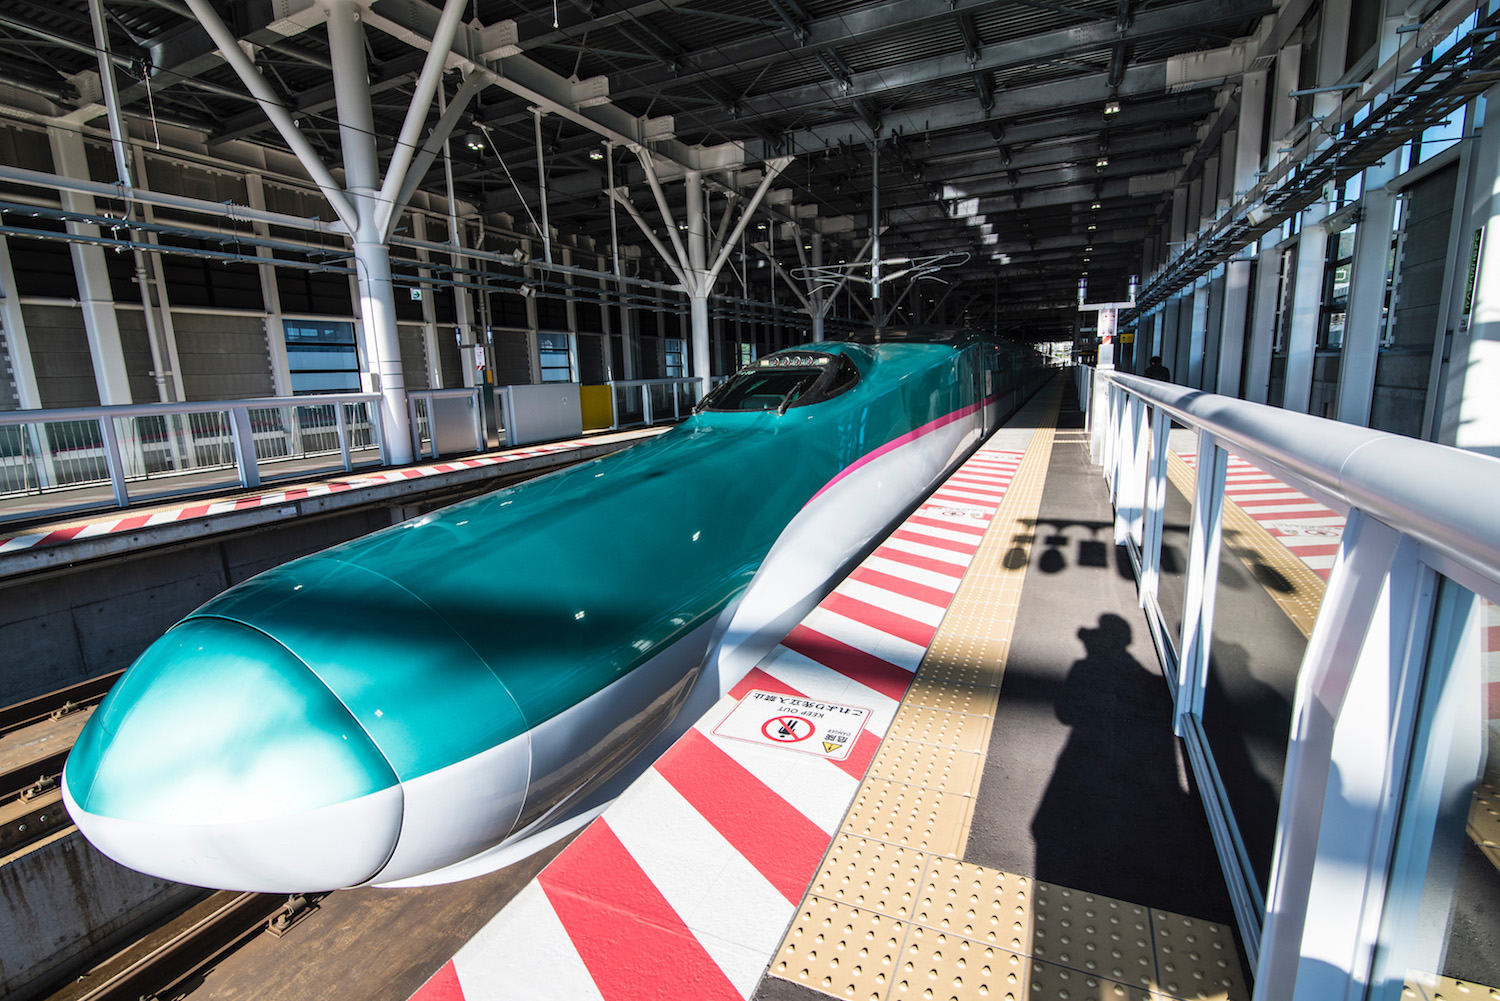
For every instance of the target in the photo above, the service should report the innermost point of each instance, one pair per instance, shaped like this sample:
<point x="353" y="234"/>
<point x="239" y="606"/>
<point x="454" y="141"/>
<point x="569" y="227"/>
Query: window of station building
<point x="1335" y="311"/>
<point x="323" y="356"/>
<point x="555" y="356"/>
<point x="672" y="357"/>
<point x="747" y="354"/>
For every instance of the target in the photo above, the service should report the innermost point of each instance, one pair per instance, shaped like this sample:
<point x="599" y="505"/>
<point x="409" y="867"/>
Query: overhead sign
<point x="826" y="729"/>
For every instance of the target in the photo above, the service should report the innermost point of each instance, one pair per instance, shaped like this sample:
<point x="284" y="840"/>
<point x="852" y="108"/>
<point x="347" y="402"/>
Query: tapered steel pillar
<point x="697" y="228"/>
<point x="372" y="258"/>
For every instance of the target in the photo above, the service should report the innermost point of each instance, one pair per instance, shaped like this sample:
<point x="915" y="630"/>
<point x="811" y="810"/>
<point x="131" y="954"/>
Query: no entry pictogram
<point x="787" y="729"/>
<point x="798" y="723"/>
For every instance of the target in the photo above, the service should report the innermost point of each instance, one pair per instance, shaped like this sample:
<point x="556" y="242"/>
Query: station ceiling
<point x="1041" y="139"/>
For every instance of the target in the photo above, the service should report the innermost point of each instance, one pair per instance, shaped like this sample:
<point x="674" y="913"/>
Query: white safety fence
<point x="57" y="460"/>
<point x="1321" y="598"/>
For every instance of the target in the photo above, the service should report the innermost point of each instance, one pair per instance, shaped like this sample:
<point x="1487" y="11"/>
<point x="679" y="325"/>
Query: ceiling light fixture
<point x="596" y="154"/>
<point x="1103" y="161"/>
<point x="1111" y="107"/>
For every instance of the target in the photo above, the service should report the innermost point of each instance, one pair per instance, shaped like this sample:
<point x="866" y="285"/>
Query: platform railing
<point x="1379" y="730"/>
<point x="53" y="461"/>
<point x="643" y="402"/>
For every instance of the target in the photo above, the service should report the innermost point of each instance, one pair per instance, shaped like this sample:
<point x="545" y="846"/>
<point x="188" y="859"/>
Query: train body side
<point x="404" y="701"/>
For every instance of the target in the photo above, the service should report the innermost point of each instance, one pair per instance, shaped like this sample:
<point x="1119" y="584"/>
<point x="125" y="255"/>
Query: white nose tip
<point x="221" y="760"/>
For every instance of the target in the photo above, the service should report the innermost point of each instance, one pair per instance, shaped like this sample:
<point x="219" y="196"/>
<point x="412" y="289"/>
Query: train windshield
<point x="781" y="381"/>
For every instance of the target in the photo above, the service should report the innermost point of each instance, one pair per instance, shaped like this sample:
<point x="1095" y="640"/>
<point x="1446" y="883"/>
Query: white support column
<point x="377" y="299"/>
<point x="1248" y="134"/>
<point x="429" y="309"/>
<point x="1212" y="327"/>
<point x="1365" y="322"/>
<point x="1192" y="375"/>
<point x="281" y="369"/>
<point x="17" y="345"/>
<point x="164" y="352"/>
<point x="1472" y="411"/>
<point x="819" y="306"/>
<point x="1307" y="303"/>
<point x="95" y="297"/>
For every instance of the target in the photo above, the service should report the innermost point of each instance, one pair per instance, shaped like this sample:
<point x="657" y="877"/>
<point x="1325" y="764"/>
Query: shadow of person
<point x="1120" y="815"/>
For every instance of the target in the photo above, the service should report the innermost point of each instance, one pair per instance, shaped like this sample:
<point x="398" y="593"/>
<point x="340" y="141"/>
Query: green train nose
<point x="221" y="760"/>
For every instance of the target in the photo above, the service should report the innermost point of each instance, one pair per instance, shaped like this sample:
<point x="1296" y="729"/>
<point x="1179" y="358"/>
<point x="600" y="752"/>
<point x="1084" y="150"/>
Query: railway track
<point x="35" y="738"/>
<point x="171" y="960"/>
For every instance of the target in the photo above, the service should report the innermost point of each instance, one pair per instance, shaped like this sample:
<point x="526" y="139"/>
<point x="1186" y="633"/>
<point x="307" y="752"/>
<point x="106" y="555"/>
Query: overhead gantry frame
<point x="369" y="205"/>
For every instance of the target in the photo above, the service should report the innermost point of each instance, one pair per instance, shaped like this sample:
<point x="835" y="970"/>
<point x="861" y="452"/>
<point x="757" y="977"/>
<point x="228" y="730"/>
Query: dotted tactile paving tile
<point x="1196" y="959"/>
<point x="1448" y="989"/>
<point x="1097" y="935"/>
<point x="841" y="950"/>
<point x="871" y="875"/>
<point x="1300" y="590"/>
<point x="983" y="905"/>
<point x="927" y="765"/>
<point x="931" y="819"/>
<point x="1484" y="816"/>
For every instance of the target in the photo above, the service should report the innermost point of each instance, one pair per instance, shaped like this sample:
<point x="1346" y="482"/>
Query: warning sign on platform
<point x="823" y="728"/>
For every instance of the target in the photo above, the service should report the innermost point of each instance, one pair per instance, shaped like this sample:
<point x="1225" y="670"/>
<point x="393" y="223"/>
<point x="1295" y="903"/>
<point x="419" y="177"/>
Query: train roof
<point x="954" y="336"/>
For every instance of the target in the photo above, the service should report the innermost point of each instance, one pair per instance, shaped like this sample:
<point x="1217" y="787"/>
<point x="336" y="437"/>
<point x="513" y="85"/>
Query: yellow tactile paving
<point x="1448" y="989"/>
<point x="895" y="913"/>
<point x="1099" y="935"/>
<point x="841" y="950"/>
<point x="930" y="819"/>
<point x="872" y="875"/>
<point x="1301" y="592"/>
<point x="1196" y="958"/>
<point x="983" y="905"/>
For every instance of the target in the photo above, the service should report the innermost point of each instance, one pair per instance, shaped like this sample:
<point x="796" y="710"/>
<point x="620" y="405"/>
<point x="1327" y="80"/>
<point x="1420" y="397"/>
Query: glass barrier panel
<point x="52" y="464"/>
<point x="270" y="428"/>
<point x="661" y="402"/>
<point x="422" y="426"/>
<point x="364" y="436"/>
<point x="629" y="405"/>
<point x="212" y="442"/>
<point x="1277" y="550"/>
<point x="18" y="460"/>
<point x="76" y="450"/>
<point x="159" y="458"/>
<point x="1176" y="529"/>
<point x="1440" y="935"/>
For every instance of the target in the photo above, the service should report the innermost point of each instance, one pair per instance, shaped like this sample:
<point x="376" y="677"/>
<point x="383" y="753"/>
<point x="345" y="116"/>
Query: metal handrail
<point x="1356" y="467"/>
<point x="9" y="417"/>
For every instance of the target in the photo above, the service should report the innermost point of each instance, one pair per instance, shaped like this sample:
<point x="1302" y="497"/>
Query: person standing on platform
<point x="1156" y="370"/>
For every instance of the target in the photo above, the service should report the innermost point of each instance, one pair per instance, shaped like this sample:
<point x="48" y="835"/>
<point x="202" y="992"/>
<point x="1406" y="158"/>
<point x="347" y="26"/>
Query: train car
<point x="395" y="708"/>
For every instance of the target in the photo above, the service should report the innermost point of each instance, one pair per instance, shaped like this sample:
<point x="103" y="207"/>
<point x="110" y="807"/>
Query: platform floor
<point x="1087" y="870"/>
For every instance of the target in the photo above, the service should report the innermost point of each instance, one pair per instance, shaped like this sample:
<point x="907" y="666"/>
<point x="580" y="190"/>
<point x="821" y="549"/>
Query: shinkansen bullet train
<point x="399" y="708"/>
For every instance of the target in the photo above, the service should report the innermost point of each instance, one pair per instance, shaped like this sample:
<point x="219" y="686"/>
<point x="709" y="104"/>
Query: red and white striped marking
<point x="1309" y="531"/>
<point x="684" y="887"/>
<point x="129" y="523"/>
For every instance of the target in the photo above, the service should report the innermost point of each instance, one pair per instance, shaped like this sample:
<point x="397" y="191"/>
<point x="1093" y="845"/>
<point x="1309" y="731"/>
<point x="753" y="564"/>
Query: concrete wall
<point x="64" y="906"/>
<point x="84" y="621"/>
